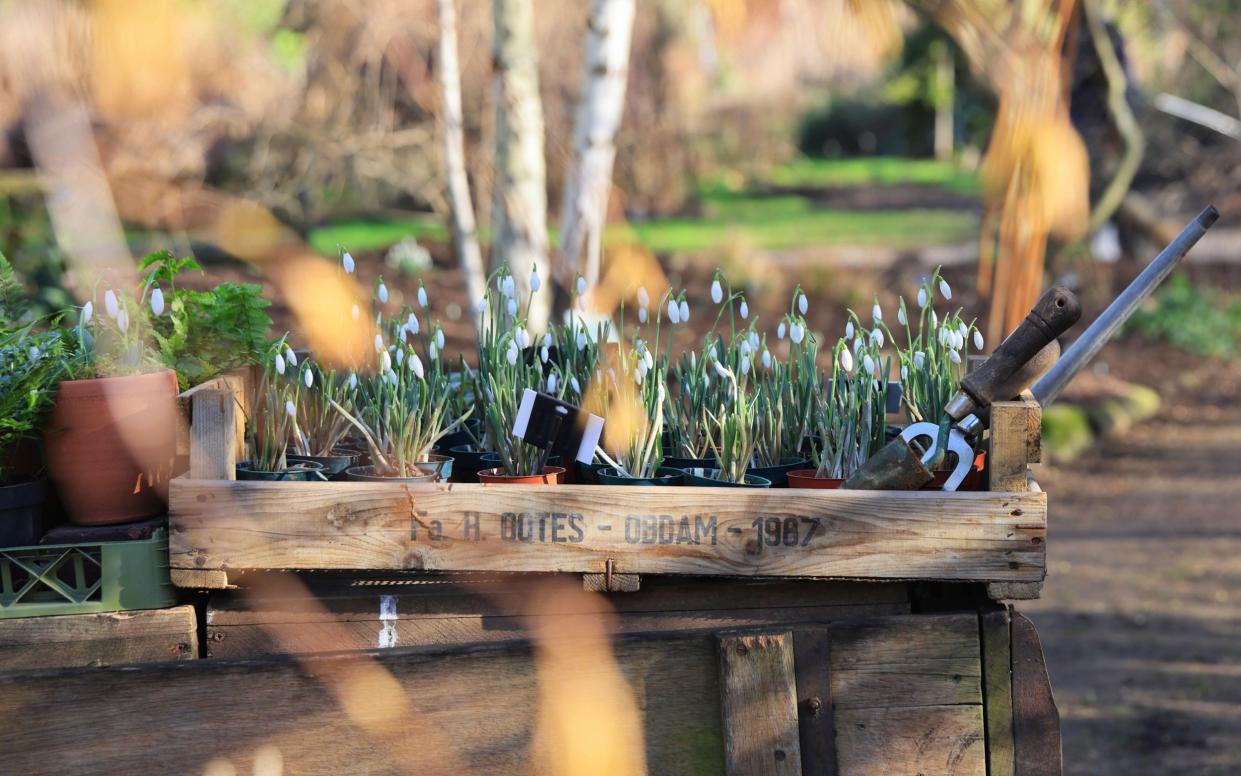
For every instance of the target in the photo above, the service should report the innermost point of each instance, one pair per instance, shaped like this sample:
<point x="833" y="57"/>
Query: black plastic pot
<point x="306" y="471"/>
<point x="588" y="473"/>
<point x="21" y="513"/>
<point x="779" y="475"/>
<point x="333" y="465"/>
<point x="368" y="474"/>
<point x="459" y="437"/>
<point x="663" y="476"/>
<point x="706" y="478"/>
<point x="467" y="462"/>
<point x="673" y="462"/>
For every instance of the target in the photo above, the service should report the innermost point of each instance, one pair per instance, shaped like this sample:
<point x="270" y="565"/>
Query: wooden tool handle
<point x="1054" y="313"/>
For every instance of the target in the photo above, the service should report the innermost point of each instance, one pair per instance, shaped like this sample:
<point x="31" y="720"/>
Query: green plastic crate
<point x="85" y="578"/>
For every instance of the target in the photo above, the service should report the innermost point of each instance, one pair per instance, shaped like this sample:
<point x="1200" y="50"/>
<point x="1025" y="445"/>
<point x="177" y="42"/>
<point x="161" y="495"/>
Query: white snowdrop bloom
<point x="507" y="286"/>
<point x="346" y="261"/>
<point x="693" y="360"/>
<point x="744" y="310"/>
<point x="642" y="315"/>
<point x="379" y="343"/>
<point x="415" y="364"/>
<point x="511" y="354"/>
<point x="977" y="340"/>
<point x="934" y="319"/>
<point x="290" y="356"/>
<point x="684" y="311"/>
<point x="481" y="307"/>
<point x="638" y="376"/>
<point x="958" y="340"/>
<point x="356" y="312"/>
<point x="846" y="360"/>
<point x="706" y="380"/>
<point x="876" y="338"/>
<point x="803" y="304"/>
<point x="900" y="316"/>
<point x="849" y="330"/>
<point x="868" y="363"/>
<point x="523" y="337"/>
<point x="919" y="359"/>
<point x="581" y="339"/>
<point x="766" y="358"/>
<point x="279" y="364"/>
<point x="412" y="325"/>
<point x="400" y="356"/>
<point x="433" y="352"/>
<point x="551" y="383"/>
<point x="110" y="305"/>
<point x="547" y="339"/>
<point x="713" y="354"/>
<point x="157" y="301"/>
<point x="941" y="336"/>
<point x="717" y="291"/>
<point x="648" y="359"/>
<point x="379" y="319"/>
<point x="720" y="369"/>
<point x="674" y="312"/>
<point x="922" y="300"/>
<point x="876" y="313"/>
<point x="945" y="289"/>
<point x="88" y="311"/>
<point x="780" y="330"/>
<point x="797" y="333"/>
<point x="290" y="408"/>
<point x="385" y="361"/>
<point x="858" y="342"/>
<point x="382" y="292"/>
<point x="644" y="299"/>
<point x="543" y="354"/>
<point x="754" y="341"/>
<point x="353" y="380"/>
<point x="745" y="365"/>
<point x="308" y="377"/>
<point x="965" y="330"/>
<point x="581" y="285"/>
<point x="122" y="319"/>
<point x="575" y="385"/>
<point x="535" y="283"/>
<point x="390" y="376"/>
<point x="954" y="356"/>
<point x="512" y="308"/>
<point x="904" y="373"/>
<point x="422" y="295"/>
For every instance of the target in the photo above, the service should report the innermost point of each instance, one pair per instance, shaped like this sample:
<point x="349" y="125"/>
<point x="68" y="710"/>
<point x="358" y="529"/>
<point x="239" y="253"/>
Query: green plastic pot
<point x="664" y="475"/>
<point x="706" y="478"/>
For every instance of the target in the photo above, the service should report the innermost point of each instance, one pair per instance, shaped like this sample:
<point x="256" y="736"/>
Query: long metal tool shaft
<point x="1049" y="386"/>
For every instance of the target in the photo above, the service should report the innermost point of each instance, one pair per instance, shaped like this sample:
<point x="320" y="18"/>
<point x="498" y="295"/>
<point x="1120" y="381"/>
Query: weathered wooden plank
<point x="198" y="579"/>
<point x="811" y="662"/>
<point x="924" y="740"/>
<point x="1016" y="434"/>
<point x="110" y="638"/>
<point x="759" y="699"/>
<point x="404" y="711"/>
<point x="1036" y="722"/>
<point x="213" y="454"/>
<point x="923" y="660"/>
<point x="238" y="383"/>
<point x="839" y="534"/>
<point x="997" y="690"/>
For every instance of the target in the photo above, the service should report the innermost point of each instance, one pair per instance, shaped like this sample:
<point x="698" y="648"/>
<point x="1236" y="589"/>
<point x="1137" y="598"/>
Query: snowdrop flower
<point x="900" y="316"/>
<point x="745" y="365"/>
<point x="157" y="301"/>
<point x="379" y="343"/>
<point x="353" y="380"/>
<point x="551" y="383"/>
<point x="713" y="354"/>
<point x="507" y="286"/>
<point x="876" y="313"/>
<point x="110" y="305"/>
<point x="721" y="370"/>
<point x="846" y="360"/>
<point x="744" y="310"/>
<point x="753" y="339"/>
<point x="412" y="325"/>
<point x="641" y="315"/>
<point x="122" y="319"/>
<point x="876" y="338"/>
<point x="279" y="364"/>
<point x="356" y="312"/>
<point x="308" y="377"/>
<point x="522" y="337"/>
<point x="934" y="319"/>
<point x="415" y="363"/>
<point x="346" y="261"/>
<point x="433" y="352"/>
<point x="390" y="376"/>
<point x="547" y="339"/>
<point x="766" y="359"/>
<point x="977" y="339"/>
<point x="803" y="304"/>
<point x="535" y="284"/>
<point x="543" y="354"/>
<point x="954" y="356"/>
<point x="674" y="312"/>
<point x="706" y="379"/>
<point x="575" y="385"/>
<point x="581" y="285"/>
<point x="648" y="359"/>
<point x="581" y="339"/>
<point x="717" y="291"/>
<point x="400" y="356"/>
<point x="481" y="307"/>
<point x="88" y="311"/>
<point x="945" y="289"/>
<point x="290" y="356"/>
<point x="385" y="361"/>
<point x="904" y="373"/>
<point x="780" y="330"/>
<point x="965" y="330"/>
<point x="693" y="360"/>
<point x="684" y="311"/>
<point x="919" y="359"/>
<point x="797" y="333"/>
<point x="858" y="342"/>
<point x="290" y="408"/>
<point x="639" y="375"/>
<point x="942" y="337"/>
<point x="382" y="293"/>
<point x="644" y="299"/>
<point x="849" y="330"/>
<point x="922" y="300"/>
<point x="868" y="363"/>
<point x="511" y="354"/>
<point x="512" y="308"/>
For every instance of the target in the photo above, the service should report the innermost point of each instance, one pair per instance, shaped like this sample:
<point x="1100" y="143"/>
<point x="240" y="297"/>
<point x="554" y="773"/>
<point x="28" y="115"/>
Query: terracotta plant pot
<point x="551" y="476"/>
<point x="110" y="445"/>
<point x="21" y="513"/>
<point x="806" y="478"/>
<point x="300" y="470"/>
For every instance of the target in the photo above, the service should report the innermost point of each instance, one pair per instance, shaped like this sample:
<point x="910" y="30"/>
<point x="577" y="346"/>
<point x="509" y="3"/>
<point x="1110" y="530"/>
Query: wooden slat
<point x="1036" y="722"/>
<point x="998" y="690"/>
<point x="198" y="579"/>
<point x="923" y="660"/>
<point x="238" y="383"/>
<point x="457" y="711"/>
<point x="1016" y="434"/>
<point x="839" y="534"/>
<point x="924" y="740"/>
<point x="811" y="662"/>
<point x="213" y="454"/>
<point x="112" y="638"/>
<point x="759" y="700"/>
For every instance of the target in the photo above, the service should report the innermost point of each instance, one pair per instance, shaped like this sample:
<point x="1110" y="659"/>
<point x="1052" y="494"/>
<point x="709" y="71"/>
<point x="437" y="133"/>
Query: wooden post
<point x="213" y="444"/>
<point x="1036" y="722"/>
<point x="812" y="661"/>
<point x="997" y="679"/>
<point x="759" y="701"/>
<point x="1016" y="442"/>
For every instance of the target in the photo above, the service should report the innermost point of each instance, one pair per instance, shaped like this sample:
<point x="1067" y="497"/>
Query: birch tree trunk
<point x="519" y="210"/>
<point x="464" y="231"/>
<point x="583" y="211"/>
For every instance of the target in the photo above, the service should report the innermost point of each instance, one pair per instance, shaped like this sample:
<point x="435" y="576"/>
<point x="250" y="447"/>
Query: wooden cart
<point x="755" y="632"/>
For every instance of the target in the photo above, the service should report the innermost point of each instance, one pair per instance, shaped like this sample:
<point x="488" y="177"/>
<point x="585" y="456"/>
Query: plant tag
<point x="551" y="424"/>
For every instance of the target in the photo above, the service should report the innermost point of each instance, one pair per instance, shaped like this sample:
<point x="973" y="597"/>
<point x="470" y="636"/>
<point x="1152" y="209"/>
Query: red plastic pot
<point x="110" y="445"/>
<point x="551" y="476"/>
<point x="807" y="478"/>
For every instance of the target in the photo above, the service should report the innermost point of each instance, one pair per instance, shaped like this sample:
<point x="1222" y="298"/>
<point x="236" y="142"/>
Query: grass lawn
<point x="755" y="220"/>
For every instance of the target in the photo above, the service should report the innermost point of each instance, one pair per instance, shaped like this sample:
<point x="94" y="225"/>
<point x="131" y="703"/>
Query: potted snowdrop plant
<point x="271" y="426"/>
<point x="733" y="435"/>
<point x="785" y="393"/>
<point x="320" y="432"/>
<point x="633" y="404"/>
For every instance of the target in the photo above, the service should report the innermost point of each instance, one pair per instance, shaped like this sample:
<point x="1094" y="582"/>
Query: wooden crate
<point x="220" y="527"/>
<point x="105" y="639"/>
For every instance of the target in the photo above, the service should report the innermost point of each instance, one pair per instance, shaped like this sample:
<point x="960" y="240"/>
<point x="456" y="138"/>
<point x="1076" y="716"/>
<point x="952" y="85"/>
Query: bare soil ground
<point x="1141" y="614"/>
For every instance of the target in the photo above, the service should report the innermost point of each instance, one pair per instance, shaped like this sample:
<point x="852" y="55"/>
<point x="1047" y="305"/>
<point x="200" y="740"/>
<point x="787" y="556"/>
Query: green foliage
<point x="1193" y="318"/>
